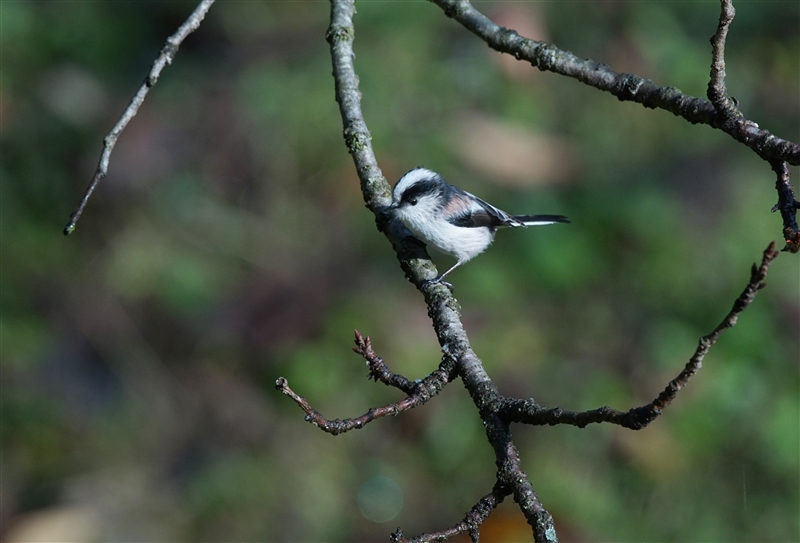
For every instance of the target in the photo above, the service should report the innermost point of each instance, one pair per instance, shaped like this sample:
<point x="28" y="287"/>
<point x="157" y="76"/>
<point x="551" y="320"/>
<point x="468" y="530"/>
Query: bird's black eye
<point x="413" y="201"/>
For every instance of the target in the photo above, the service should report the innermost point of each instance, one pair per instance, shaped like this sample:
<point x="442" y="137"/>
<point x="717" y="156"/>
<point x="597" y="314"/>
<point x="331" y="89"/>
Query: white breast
<point x="463" y="243"/>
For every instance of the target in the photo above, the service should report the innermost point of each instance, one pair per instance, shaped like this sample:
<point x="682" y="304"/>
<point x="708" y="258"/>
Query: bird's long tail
<point x="537" y="220"/>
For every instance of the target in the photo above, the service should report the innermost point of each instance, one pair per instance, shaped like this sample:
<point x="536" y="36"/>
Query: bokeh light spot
<point x="380" y="499"/>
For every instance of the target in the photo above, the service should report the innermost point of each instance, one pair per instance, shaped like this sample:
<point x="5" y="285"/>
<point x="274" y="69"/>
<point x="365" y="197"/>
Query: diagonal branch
<point x="626" y="87"/>
<point x="529" y="412"/>
<point x="717" y="92"/>
<point x="470" y="525"/>
<point x="165" y="57"/>
<point x="423" y="391"/>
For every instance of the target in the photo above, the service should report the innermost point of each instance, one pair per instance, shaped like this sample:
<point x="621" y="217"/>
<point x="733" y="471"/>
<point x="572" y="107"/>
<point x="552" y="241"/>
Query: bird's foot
<point x="437" y="281"/>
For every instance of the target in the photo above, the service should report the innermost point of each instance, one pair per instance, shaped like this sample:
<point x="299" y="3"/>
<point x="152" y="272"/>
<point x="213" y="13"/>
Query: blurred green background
<point x="229" y="245"/>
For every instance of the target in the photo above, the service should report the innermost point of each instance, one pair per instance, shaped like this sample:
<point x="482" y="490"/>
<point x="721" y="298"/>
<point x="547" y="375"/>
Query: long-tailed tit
<point x="450" y="219"/>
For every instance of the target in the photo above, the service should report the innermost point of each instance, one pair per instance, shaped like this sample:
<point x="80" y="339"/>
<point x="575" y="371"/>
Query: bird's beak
<point x="387" y="213"/>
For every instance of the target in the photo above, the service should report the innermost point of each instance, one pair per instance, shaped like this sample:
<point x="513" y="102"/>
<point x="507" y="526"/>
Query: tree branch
<point x="378" y="370"/>
<point x="529" y="412"/>
<point x="471" y="523"/>
<point x="422" y="391"/>
<point x="626" y="87"/>
<point x="717" y="92"/>
<point x="165" y="57"/>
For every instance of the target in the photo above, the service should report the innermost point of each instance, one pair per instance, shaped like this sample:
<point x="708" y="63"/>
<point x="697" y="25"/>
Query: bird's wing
<point x="467" y="210"/>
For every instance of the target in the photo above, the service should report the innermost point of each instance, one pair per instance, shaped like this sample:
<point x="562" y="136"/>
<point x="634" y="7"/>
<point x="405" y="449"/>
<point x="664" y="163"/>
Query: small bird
<point x="450" y="219"/>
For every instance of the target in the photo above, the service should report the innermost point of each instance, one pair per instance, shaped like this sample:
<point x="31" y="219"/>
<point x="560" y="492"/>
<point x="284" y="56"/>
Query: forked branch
<point x="378" y="370"/>
<point x="626" y="87"/>
<point x="419" y="392"/>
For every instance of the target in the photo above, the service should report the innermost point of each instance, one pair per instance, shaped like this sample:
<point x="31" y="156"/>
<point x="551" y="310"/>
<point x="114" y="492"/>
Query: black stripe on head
<point x="426" y="187"/>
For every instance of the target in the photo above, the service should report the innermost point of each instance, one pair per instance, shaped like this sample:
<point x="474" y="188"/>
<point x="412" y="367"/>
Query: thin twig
<point x="378" y="370"/>
<point x="470" y="525"/>
<point x="338" y="426"/>
<point x="529" y="412"/>
<point x="717" y="92"/>
<point x="165" y="57"/>
<point x="423" y="391"/>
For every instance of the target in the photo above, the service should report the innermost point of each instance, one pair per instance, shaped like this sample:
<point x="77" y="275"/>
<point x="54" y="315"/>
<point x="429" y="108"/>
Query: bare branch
<point x="529" y="412"/>
<point x="511" y="476"/>
<point x="423" y="391"/>
<point x="338" y="426"/>
<point x="717" y="92"/>
<point x="626" y="87"/>
<point x="165" y="57"/>
<point x="788" y="206"/>
<point x="378" y="369"/>
<point x="340" y="35"/>
<point x="470" y="525"/>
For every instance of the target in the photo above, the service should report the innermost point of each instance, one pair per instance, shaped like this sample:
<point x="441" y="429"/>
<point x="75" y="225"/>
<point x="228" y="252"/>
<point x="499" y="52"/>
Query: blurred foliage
<point x="229" y="245"/>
